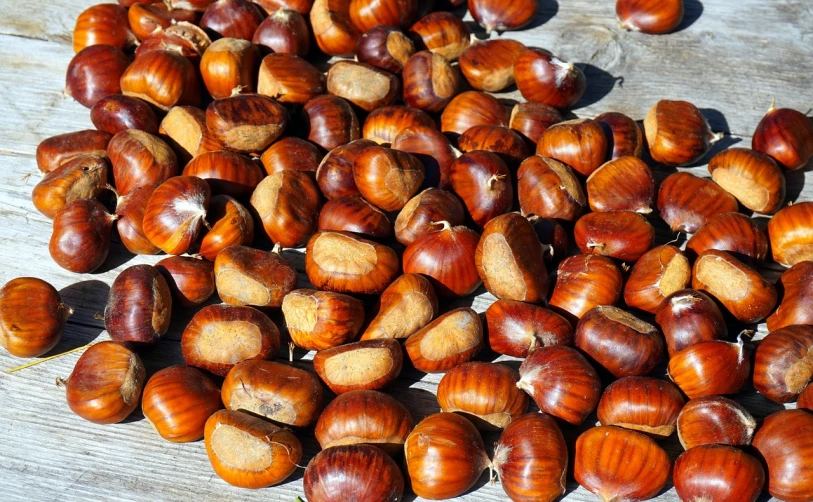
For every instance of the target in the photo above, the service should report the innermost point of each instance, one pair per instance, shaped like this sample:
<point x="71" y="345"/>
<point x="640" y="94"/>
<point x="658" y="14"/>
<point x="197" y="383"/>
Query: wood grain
<point x="729" y="58"/>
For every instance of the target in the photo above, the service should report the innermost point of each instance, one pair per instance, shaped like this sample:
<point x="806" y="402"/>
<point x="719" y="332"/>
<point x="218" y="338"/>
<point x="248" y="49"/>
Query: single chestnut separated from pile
<point x="228" y="139"/>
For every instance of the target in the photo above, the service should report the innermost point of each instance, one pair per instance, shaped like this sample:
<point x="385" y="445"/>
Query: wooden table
<point x="730" y="57"/>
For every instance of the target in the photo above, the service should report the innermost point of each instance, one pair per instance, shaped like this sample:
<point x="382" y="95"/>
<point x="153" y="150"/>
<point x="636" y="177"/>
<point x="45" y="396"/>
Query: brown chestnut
<point x="163" y="78"/>
<point x="344" y="263"/>
<point x="105" y="384"/>
<point x="139" y="306"/>
<point x="381" y="87"/>
<point x="687" y="317"/>
<point x="290" y="79"/>
<point x="387" y="178"/>
<point x="581" y="144"/>
<point x="330" y="122"/>
<point x="711" y="420"/>
<point x="83" y="177"/>
<point x="501" y="16"/>
<point x="407" y="305"/>
<point x="246" y="123"/>
<point x="496" y="139"/>
<point x="54" y="151"/>
<point x="784" y="363"/>
<point x="226" y="172"/>
<point x="783" y="441"/>
<point x="335" y="33"/>
<point x="708" y="368"/>
<point x="791" y="234"/>
<point x="385" y="47"/>
<point x="648" y="16"/>
<point x="232" y="225"/>
<point x="718" y="472"/>
<point x="184" y="128"/>
<point x="287" y="203"/>
<point x="145" y="18"/>
<point x="483" y="182"/>
<point x="116" y="112"/>
<point x="186" y="39"/>
<point x="583" y="282"/>
<point x="230" y="64"/>
<point x="794" y="309"/>
<point x="176" y="212"/>
<point x="750" y="176"/>
<point x="94" y="73"/>
<point x="623" y="184"/>
<point x="130" y="224"/>
<point x="472" y="108"/>
<point x="442" y="33"/>
<point x="384" y="124"/>
<point x="677" y="133"/>
<point x="786" y="135"/>
<point x="247" y="276"/>
<point x="733" y="232"/>
<point x="425" y="209"/>
<point x="366" y="14"/>
<point x="291" y="154"/>
<point x="687" y="202"/>
<point x="433" y="149"/>
<point x="450" y="340"/>
<point x="430" y="81"/>
<point x="191" y="280"/>
<point x="284" y="31"/>
<point x="624" y="137"/>
<point x="80" y="240"/>
<point x="544" y="78"/>
<point x="660" y="272"/>
<point x="318" y="320"/>
<point x="354" y="214"/>
<point x="32" y="317"/>
<point x="548" y="188"/>
<point x="231" y="18"/>
<point x="335" y="173"/>
<point x="488" y="65"/>
<point x="623" y="235"/>
<point x="532" y="119"/>
<point x="103" y="24"/>
<point x="364" y="365"/>
<point x="140" y="159"/>
<point x="347" y="469"/>
<point x="642" y="404"/>
<point x="517" y="328"/>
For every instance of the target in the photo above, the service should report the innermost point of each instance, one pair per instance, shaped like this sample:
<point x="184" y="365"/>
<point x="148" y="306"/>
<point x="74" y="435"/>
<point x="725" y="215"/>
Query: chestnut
<point x="791" y="235"/>
<point x="232" y="225"/>
<point x="335" y="33"/>
<point x="387" y="178"/>
<point x="501" y="16"/>
<point x="583" y="282"/>
<point x="276" y="391"/>
<point x="116" y="112"/>
<point x="54" y="151"/>
<point x="623" y="235"/>
<point x="423" y="210"/>
<point x="347" y="470"/>
<point x="472" y="108"/>
<point x="226" y="172"/>
<point x="176" y="212"/>
<point x="450" y="340"/>
<point x="581" y="144"/>
<point x="677" y="133"/>
<point x="445" y="456"/>
<point x="364" y="365"/>
<point x="783" y="441"/>
<point x="94" y="73"/>
<point x="330" y="122"/>
<point x="246" y="123"/>
<point x="319" y="320"/>
<point x="365" y="417"/>
<point x="220" y="336"/>
<point x="794" y="309"/>
<point x="531" y="459"/>
<point x="105" y="384"/>
<point x="367" y="14"/>
<point x="718" y="472"/>
<point x="518" y="328"/>
<point x="446" y="256"/>
<point x="290" y="79"/>
<point x="145" y="18"/>
<point x="385" y="47"/>
<point x="335" y="173"/>
<point x="687" y="202"/>
<point x="103" y="24"/>
<point x="249" y="452"/>
<point x="488" y="65"/>
<point x="442" y="33"/>
<point x="191" y="280"/>
<point x="496" y="139"/>
<point x="140" y="159"/>
<point x="229" y="64"/>
<point x="750" y="176"/>
<point x="740" y="288"/>
<point x="433" y="149"/>
<point x="623" y="184"/>
<point x="485" y="393"/>
<point x="381" y="87"/>
<point x="231" y="18"/>
<point x="620" y="464"/>
<point x="648" y="16"/>
<point x="287" y="202"/>
<point x="786" y="135"/>
<point x="385" y="124"/>
<point x="533" y="119"/>
<point x="483" y="182"/>
<point x="247" y="276"/>
<point x="162" y="78"/>
<point x="82" y="177"/>
<point x="711" y="420"/>
<point x="711" y="367"/>
<point x="687" y="317"/>
<point x="130" y="225"/>
<point x="178" y="401"/>
<point x="32" y="317"/>
<point x="139" y="306"/>
<point x="624" y="137"/>
<point x="657" y="274"/>
<point x="344" y="263"/>
<point x="354" y="214"/>
<point x="733" y="232"/>
<point x="553" y="237"/>
<point x="561" y="382"/>
<point x="642" y="404"/>
<point x="510" y="260"/>
<point x="284" y="31"/>
<point x="407" y="305"/>
<point x="782" y="365"/>
<point x="430" y="81"/>
<point x="291" y="154"/>
<point x="80" y="240"/>
<point x="542" y="77"/>
<point x="548" y="188"/>
<point x="619" y="341"/>
<point x="184" y="128"/>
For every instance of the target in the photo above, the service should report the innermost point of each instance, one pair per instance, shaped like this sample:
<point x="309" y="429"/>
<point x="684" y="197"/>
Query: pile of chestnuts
<point x="219" y="137"/>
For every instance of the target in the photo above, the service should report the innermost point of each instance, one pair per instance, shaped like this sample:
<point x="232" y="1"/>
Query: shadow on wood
<point x="117" y="257"/>
<point x="599" y="84"/>
<point x="87" y="298"/>
<point x="692" y="10"/>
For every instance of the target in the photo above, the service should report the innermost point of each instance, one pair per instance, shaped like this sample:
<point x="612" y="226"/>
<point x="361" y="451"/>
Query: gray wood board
<point x="729" y="58"/>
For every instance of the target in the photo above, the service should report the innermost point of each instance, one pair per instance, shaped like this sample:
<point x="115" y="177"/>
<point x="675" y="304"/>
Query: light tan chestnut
<point x="451" y="339"/>
<point x="510" y="259"/>
<point x="381" y="88"/>
<point x="319" y="320"/>
<point x="364" y="365"/>
<point x="407" y="305"/>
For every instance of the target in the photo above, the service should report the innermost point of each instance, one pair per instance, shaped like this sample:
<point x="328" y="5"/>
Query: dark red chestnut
<point x="191" y="280"/>
<point x="786" y="135"/>
<point x="94" y="73"/>
<point x="116" y="112"/>
<point x="139" y="306"/>
<point x="543" y="78"/>
<point x="687" y="317"/>
<point x="346" y="470"/>
<point x="517" y="328"/>
<point x="80" y="240"/>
